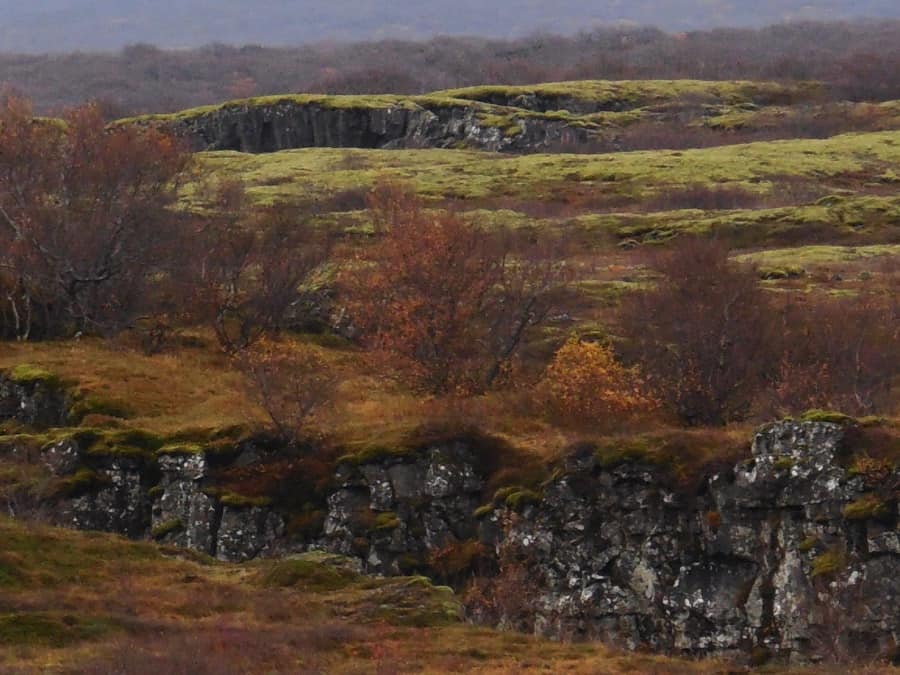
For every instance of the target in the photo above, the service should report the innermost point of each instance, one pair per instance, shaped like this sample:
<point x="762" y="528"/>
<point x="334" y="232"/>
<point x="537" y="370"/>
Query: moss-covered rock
<point x="313" y="571"/>
<point x="834" y="417"/>
<point x="83" y="481"/>
<point x="386" y="522"/>
<point x="168" y="527"/>
<point x="27" y="374"/>
<point x="828" y="564"/>
<point x="867" y="507"/>
<point x="519" y="499"/>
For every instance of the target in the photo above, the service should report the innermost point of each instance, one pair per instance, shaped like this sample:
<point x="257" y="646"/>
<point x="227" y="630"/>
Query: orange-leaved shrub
<point x="443" y="302"/>
<point x="586" y="386"/>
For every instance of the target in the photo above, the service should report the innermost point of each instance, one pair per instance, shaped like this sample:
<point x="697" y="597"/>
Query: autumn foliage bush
<point x="84" y="220"/>
<point x="442" y="301"/>
<point x="586" y="386"/>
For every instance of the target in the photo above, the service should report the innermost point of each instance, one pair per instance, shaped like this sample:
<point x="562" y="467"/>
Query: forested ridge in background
<point x="63" y="25"/>
<point x="858" y="60"/>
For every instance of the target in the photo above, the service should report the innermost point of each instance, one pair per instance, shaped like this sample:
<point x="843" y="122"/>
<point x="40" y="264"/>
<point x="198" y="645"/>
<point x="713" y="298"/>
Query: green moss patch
<point x="310" y="571"/>
<point x="519" y="499"/>
<point x="386" y="522"/>
<point x="783" y="464"/>
<point x="181" y="449"/>
<point x="867" y="507"/>
<point x="830" y="416"/>
<point x="409" y="601"/>
<point x="236" y="500"/>
<point x="438" y="173"/>
<point x="27" y="374"/>
<point x="118" y="442"/>
<point x="167" y="527"/>
<point x="81" y="482"/>
<point x="828" y="564"/>
<point x="50" y="630"/>
<point x="92" y="405"/>
<point x="808" y="544"/>
<point x="377" y="454"/>
<point x="483" y="511"/>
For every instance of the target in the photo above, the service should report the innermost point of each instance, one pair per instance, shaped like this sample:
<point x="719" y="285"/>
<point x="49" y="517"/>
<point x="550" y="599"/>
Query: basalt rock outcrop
<point x="393" y="512"/>
<point x="788" y="553"/>
<point x="33" y="399"/>
<point x="771" y="556"/>
<point x="167" y="496"/>
<point x="273" y="124"/>
<point x="792" y="553"/>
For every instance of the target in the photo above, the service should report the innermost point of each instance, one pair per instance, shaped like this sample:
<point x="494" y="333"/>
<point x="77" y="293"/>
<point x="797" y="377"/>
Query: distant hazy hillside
<point x="64" y="25"/>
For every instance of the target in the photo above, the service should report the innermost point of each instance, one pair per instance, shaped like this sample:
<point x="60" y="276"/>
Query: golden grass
<point x="191" y="388"/>
<point x="196" y="389"/>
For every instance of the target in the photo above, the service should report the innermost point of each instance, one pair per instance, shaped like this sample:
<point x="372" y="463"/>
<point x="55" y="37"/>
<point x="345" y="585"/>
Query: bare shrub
<point x="252" y="264"/>
<point x="703" y="197"/>
<point x="84" y="223"/>
<point x="702" y="336"/>
<point x="290" y="381"/>
<point x="839" y="353"/>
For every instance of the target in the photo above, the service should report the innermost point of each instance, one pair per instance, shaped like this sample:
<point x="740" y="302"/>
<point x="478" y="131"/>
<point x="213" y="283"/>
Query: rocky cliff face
<point x="167" y="497"/>
<point x="759" y="560"/>
<point x="33" y="400"/>
<point x="281" y="124"/>
<point x="392" y="513"/>
<point x="789" y="553"/>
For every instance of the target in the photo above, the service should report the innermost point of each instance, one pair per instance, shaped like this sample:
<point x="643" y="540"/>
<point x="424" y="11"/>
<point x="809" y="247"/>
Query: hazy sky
<point x="64" y="25"/>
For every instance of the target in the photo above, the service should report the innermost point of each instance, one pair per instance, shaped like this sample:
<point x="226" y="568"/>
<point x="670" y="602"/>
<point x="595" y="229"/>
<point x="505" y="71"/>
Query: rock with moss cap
<point x="33" y="396"/>
<point x="426" y="495"/>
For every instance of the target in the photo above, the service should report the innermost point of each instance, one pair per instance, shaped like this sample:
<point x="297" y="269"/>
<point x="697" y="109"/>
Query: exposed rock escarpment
<point x="167" y="496"/>
<point x="394" y="512"/>
<point x="493" y="118"/>
<point x="281" y="123"/>
<point x="792" y="553"/>
<point x="743" y="565"/>
<point x="33" y="398"/>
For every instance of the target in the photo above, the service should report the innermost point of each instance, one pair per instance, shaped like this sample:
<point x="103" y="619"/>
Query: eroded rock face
<point x="166" y="498"/>
<point x="288" y="124"/>
<point x="186" y="513"/>
<point x="182" y="513"/>
<point x="392" y="513"/>
<point x="36" y="403"/>
<point x="730" y="570"/>
<point x="778" y="555"/>
<point x="117" y="501"/>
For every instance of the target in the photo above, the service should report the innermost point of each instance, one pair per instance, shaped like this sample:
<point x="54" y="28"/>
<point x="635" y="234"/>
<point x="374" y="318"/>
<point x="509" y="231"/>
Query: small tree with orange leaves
<point x="445" y="302"/>
<point x="586" y="386"/>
